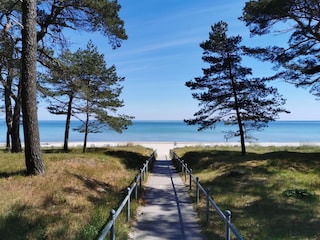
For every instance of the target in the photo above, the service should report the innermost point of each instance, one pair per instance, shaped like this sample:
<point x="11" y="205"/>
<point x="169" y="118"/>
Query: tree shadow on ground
<point x="25" y="227"/>
<point x="131" y="160"/>
<point x="92" y="184"/>
<point x="262" y="210"/>
<point x="55" y="150"/>
<point x="215" y="158"/>
<point x="13" y="174"/>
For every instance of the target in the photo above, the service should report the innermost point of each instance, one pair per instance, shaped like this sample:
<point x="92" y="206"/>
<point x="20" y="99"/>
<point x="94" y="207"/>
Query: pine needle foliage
<point x="227" y="94"/>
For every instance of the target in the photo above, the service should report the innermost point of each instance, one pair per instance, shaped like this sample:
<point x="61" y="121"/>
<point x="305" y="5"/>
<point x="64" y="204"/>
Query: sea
<point x="303" y="132"/>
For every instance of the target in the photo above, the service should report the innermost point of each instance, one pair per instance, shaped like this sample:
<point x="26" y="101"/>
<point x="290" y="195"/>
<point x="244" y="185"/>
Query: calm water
<point x="178" y="131"/>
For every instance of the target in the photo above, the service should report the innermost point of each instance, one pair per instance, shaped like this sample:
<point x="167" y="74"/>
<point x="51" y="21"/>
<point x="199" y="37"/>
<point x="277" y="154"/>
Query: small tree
<point x="59" y="87"/>
<point x="80" y="84"/>
<point x="226" y="94"/>
<point x="100" y="90"/>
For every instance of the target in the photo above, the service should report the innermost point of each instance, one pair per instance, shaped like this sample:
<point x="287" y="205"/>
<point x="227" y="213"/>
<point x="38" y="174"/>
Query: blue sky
<point x="162" y="53"/>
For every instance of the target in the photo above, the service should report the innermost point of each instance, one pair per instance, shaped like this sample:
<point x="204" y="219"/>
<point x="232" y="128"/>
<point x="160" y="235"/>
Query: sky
<point x="162" y="53"/>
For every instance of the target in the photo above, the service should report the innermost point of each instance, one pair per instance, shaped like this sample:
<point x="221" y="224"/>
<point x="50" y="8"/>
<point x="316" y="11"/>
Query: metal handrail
<point x="110" y="227"/>
<point x="226" y="217"/>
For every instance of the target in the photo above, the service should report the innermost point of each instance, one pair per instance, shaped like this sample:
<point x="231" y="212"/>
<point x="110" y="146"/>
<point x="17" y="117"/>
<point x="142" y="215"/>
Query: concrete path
<point x="168" y="212"/>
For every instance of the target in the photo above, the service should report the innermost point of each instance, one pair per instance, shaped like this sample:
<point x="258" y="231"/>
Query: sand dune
<point x="163" y="148"/>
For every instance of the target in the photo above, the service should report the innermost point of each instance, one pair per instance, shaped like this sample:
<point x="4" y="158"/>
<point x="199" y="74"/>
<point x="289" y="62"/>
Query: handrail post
<point x="207" y="206"/>
<point x="143" y="172"/>
<point x="136" y="188"/>
<point x="182" y="166"/>
<point x="228" y="220"/>
<point x="128" y="207"/>
<point x="185" y="173"/>
<point x="190" y="180"/>
<point x="140" y="180"/>
<point x="197" y="189"/>
<point x="147" y="166"/>
<point x="112" y="230"/>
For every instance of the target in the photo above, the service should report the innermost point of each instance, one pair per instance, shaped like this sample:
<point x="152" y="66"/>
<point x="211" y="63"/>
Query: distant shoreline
<point x="173" y="144"/>
<point x="163" y="148"/>
<point x="177" y="120"/>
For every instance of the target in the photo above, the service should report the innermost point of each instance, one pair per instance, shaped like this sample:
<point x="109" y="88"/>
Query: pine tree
<point x="33" y="157"/>
<point x="226" y="94"/>
<point x="80" y="85"/>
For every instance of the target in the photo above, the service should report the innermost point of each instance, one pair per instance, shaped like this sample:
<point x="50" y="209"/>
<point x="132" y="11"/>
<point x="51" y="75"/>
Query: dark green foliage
<point x="303" y="194"/>
<point x="225" y="93"/>
<point x="100" y="89"/>
<point x="298" y="62"/>
<point x="81" y="85"/>
<point x="90" y="16"/>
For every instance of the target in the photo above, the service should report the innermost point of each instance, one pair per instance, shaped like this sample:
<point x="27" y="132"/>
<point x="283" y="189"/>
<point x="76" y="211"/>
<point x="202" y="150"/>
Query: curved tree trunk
<point x="8" y="84"/>
<point x="239" y="120"/>
<point x="86" y="131"/>
<point x="33" y="155"/>
<point x="15" y="134"/>
<point x="8" y="107"/>
<point x="67" y="129"/>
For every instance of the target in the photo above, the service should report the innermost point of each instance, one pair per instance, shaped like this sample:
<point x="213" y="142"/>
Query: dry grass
<point x="275" y="196"/>
<point x="72" y="199"/>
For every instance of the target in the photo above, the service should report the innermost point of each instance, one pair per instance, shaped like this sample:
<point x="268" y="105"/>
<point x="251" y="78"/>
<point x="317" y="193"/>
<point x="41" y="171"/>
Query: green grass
<point x="273" y="192"/>
<point x="72" y="200"/>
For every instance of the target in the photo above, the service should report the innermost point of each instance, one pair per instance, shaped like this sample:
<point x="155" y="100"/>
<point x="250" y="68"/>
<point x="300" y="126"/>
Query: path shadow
<point x="132" y="160"/>
<point x="166" y="211"/>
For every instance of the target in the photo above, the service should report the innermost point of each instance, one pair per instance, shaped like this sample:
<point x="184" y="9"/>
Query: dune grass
<point x="273" y="192"/>
<point x="72" y="200"/>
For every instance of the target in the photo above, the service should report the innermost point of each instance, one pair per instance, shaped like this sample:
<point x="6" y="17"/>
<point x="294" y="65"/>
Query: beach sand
<point x="163" y="148"/>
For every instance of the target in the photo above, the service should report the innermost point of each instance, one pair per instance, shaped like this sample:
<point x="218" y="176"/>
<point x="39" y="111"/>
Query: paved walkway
<point x="168" y="212"/>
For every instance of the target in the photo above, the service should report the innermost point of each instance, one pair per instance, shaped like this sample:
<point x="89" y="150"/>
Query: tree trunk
<point x="8" y="107"/>
<point x="86" y="131"/>
<point x="33" y="155"/>
<point x="15" y="134"/>
<point x="236" y="103"/>
<point x="242" y="140"/>
<point x="85" y="136"/>
<point x="67" y="129"/>
<point x="8" y="85"/>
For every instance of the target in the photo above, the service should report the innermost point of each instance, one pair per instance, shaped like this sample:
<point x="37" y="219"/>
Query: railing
<point x="141" y="176"/>
<point x="226" y="216"/>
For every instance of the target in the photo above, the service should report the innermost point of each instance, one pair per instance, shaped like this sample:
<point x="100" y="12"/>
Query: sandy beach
<point x="163" y="148"/>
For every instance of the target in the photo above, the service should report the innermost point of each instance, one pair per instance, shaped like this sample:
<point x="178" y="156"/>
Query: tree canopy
<point x="226" y="93"/>
<point x="50" y="19"/>
<point x="85" y="15"/>
<point x="81" y="85"/>
<point x="298" y="62"/>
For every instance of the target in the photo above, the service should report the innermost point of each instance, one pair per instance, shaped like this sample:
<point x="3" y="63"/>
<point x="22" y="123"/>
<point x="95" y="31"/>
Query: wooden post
<point x="207" y="206"/>
<point x="113" y="228"/>
<point x="197" y="189"/>
<point x="228" y="220"/>
<point x="128" y="207"/>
